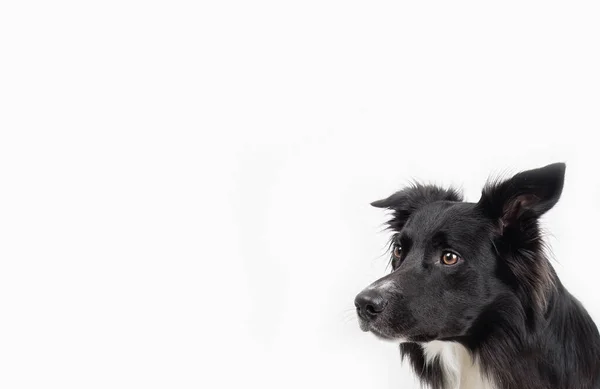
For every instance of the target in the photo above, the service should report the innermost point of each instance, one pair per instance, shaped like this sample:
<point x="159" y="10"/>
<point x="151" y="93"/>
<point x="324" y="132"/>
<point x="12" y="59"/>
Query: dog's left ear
<point x="406" y="201"/>
<point x="528" y="194"/>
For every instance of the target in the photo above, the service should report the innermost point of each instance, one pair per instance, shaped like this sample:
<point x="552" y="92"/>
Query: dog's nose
<point x="369" y="303"/>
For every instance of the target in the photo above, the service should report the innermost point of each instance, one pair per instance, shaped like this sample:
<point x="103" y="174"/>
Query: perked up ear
<point x="408" y="200"/>
<point x="527" y="195"/>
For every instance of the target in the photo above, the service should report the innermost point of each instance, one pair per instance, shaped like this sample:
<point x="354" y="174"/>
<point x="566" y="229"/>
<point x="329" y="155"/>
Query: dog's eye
<point x="449" y="258"/>
<point x="397" y="251"/>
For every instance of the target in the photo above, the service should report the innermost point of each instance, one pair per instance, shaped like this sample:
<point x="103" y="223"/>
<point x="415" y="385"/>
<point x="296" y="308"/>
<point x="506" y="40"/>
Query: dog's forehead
<point x="443" y="215"/>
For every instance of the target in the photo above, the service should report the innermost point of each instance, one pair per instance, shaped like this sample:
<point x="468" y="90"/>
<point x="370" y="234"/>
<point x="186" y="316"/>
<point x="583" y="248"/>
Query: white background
<point x="184" y="186"/>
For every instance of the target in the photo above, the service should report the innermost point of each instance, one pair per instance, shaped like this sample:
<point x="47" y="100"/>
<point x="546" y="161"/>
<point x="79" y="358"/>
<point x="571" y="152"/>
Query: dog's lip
<point x="378" y="334"/>
<point x="366" y="326"/>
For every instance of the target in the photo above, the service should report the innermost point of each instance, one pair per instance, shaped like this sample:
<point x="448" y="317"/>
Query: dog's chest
<point x="460" y="371"/>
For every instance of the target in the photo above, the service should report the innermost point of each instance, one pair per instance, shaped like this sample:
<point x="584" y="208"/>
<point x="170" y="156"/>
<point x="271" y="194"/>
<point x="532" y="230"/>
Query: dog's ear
<point x="406" y="201"/>
<point x="527" y="195"/>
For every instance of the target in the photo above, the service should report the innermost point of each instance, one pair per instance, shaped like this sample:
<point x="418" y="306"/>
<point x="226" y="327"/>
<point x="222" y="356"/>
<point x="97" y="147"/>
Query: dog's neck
<point x="459" y="369"/>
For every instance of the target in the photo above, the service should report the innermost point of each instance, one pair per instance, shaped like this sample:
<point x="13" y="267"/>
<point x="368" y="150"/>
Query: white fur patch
<point x="460" y="370"/>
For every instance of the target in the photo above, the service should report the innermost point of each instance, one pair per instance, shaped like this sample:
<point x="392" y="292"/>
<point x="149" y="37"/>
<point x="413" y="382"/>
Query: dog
<point x="472" y="297"/>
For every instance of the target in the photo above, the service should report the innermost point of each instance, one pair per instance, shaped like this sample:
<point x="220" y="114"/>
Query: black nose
<point x="369" y="303"/>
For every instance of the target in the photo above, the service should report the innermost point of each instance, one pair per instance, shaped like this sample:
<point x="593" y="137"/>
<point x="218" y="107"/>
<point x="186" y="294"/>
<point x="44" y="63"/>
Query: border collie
<point x="472" y="297"/>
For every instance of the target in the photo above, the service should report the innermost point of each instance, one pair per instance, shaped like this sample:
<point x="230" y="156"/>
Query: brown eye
<point x="449" y="258"/>
<point x="397" y="251"/>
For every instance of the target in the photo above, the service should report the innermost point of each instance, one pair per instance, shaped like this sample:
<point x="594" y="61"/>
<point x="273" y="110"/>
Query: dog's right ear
<point x="527" y="195"/>
<point x="406" y="201"/>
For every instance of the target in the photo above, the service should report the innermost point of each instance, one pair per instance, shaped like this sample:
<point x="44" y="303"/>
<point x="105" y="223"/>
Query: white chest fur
<point x="460" y="370"/>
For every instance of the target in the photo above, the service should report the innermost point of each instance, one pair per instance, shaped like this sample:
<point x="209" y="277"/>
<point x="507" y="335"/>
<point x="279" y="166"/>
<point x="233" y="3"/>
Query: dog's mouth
<point x="364" y="325"/>
<point x="381" y="335"/>
<point x="384" y="334"/>
<point x="371" y="327"/>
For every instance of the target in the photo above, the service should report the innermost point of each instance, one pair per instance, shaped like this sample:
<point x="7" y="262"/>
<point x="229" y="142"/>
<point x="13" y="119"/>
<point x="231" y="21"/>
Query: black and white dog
<point x="472" y="297"/>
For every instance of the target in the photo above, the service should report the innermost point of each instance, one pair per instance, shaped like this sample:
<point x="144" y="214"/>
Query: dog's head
<point x="453" y="261"/>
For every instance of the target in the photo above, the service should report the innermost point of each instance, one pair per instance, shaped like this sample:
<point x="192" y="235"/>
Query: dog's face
<point x="451" y="260"/>
<point x="442" y="275"/>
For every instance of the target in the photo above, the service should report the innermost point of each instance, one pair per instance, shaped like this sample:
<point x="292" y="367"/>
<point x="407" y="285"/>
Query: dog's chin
<point x="382" y="336"/>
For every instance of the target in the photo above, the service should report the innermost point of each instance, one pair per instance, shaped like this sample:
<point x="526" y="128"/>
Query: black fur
<point x="502" y="300"/>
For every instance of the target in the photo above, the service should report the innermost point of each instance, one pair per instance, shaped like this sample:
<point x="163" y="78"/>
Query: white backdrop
<point x="185" y="185"/>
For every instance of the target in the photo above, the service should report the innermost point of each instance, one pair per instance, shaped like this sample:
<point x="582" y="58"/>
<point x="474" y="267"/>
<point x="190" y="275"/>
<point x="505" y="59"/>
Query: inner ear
<point x="517" y="207"/>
